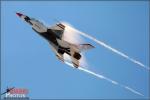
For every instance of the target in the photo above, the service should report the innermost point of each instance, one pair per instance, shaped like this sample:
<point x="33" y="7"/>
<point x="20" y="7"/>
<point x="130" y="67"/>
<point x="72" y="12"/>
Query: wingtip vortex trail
<point x="107" y="79"/>
<point x="115" y="50"/>
<point x="134" y="91"/>
<point x="111" y="48"/>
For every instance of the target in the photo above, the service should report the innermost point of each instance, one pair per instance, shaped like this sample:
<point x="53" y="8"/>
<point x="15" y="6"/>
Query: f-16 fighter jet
<point x="54" y="35"/>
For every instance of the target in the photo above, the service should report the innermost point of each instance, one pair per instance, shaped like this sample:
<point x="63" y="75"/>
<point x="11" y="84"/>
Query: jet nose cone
<point x="19" y="14"/>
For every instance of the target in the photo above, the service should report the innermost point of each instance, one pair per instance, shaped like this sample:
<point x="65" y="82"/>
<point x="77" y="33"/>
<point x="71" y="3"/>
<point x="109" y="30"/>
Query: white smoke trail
<point x="110" y="48"/>
<point x="130" y="89"/>
<point x="107" y="79"/>
<point x="72" y="35"/>
<point x="115" y="51"/>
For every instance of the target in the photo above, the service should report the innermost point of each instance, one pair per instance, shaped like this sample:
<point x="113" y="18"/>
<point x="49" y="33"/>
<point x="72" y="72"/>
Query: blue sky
<point x="28" y="62"/>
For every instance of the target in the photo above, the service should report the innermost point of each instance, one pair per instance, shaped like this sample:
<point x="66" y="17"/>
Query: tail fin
<point x="85" y="47"/>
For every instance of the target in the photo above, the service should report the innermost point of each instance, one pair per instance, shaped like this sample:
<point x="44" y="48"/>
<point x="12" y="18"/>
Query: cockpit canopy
<point x="37" y="21"/>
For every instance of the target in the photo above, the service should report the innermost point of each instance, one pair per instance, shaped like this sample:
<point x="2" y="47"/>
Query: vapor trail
<point x="108" y="47"/>
<point x="107" y="79"/>
<point x="114" y="50"/>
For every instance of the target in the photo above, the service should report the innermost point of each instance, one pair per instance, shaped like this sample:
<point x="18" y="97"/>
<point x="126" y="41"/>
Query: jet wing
<point x="74" y="55"/>
<point x="84" y="47"/>
<point x="74" y="50"/>
<point x="58" y="29"/>
<point x="58" y="26"/>
<point x="75" y="47"/>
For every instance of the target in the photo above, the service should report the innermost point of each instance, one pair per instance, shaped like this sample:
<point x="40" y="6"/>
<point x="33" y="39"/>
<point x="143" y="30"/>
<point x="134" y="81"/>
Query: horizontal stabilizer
<point x="84" y="47"/>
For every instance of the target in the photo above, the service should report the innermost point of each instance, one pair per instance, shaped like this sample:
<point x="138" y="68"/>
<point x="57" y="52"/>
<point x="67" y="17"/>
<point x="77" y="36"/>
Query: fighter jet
<point x="54" y="36"/>
<point x="8" y="90"/>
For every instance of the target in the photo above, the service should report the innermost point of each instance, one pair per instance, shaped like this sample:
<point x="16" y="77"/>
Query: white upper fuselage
<point x="38" y="26"/>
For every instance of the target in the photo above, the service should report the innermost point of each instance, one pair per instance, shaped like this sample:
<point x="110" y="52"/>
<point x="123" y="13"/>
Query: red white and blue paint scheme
<point x="54" y="36"/>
